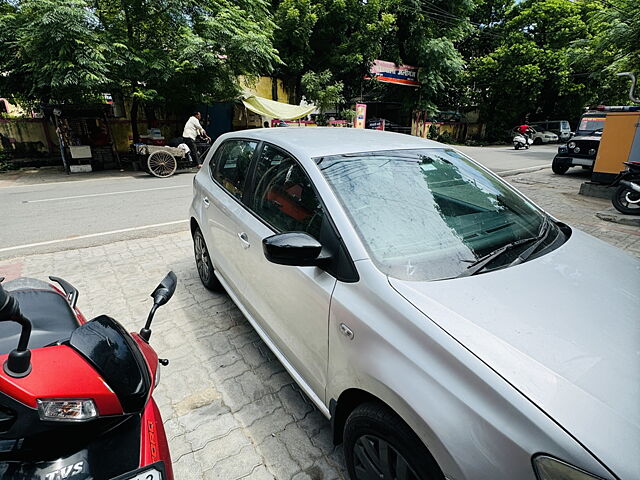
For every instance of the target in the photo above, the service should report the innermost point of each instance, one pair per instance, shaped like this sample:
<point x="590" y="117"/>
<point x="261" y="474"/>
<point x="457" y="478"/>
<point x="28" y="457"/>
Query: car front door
<point x="290" y="303"/>
<point x="224" y="188"/>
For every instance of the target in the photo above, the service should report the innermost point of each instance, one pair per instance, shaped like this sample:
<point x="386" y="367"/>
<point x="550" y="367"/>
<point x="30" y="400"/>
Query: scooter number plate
<point x="152" y="474"/>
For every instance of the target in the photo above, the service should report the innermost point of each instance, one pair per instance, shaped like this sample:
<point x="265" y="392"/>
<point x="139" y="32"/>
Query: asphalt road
<point x="73" y="212"/>
<point x="55" y="216"/>
<point x="506" y="159"/>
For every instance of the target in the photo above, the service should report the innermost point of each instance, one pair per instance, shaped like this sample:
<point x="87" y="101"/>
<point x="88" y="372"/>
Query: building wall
<point x="28" y="136"/>
<point x="453" y="131"/>
<point x="264" y="88"/>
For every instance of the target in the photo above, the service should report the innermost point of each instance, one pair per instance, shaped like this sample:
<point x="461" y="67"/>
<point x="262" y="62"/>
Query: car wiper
<point x="542" y="237"/>
<point x="481" y="263"/>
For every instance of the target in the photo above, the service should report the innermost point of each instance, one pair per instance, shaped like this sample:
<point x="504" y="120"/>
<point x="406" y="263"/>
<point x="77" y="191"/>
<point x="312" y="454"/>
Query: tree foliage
<point x="539" y="70"/>
<point x="52" y="51"/>
<point x="346" y="36"/>
<point x="535" y="58"/>
<point x="172" y="52"/>
<point x="320" y="90"/>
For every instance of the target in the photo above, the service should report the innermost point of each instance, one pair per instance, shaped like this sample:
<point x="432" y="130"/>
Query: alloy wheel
<point x="202" y="258"/>
<point x="375" y="458"/>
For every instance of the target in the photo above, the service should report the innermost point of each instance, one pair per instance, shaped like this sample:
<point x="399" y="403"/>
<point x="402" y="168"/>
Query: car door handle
<point x="206" y="202"/>
<point x="244" y="239"/>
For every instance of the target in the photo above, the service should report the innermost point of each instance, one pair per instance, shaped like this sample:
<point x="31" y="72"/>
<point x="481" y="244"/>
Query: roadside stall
<point x="259" y="108"/>
<point x="84" y="135"/>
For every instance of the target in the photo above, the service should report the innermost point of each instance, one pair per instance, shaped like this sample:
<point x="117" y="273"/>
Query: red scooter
<point x="75" y="395"/>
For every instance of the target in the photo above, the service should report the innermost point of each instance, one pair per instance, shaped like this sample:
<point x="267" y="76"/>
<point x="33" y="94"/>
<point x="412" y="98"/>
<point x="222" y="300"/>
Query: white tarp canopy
<point x="273" y="109"/>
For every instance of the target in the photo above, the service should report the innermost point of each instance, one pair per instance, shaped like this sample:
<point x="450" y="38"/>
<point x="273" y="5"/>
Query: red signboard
<point x="389" y="72"/>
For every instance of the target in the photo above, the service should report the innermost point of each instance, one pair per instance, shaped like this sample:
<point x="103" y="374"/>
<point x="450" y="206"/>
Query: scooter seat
<point x="51" y="317"/>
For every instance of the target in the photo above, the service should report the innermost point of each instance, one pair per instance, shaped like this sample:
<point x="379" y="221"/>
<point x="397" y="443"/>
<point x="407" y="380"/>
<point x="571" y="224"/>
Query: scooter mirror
<point x="163" y="292"/>
<point x="160" y="295"/>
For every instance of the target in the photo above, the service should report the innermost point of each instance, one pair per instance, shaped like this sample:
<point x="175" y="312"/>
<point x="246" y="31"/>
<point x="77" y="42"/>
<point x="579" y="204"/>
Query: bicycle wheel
<point x="162" y="164"/>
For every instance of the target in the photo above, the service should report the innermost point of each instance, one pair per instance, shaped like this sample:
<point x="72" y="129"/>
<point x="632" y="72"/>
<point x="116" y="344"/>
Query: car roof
<point x="323" y="141"/>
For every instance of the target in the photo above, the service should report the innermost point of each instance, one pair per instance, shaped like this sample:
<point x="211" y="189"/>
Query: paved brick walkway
<point x="558" y="194"/>
<point x="231" y="410"/>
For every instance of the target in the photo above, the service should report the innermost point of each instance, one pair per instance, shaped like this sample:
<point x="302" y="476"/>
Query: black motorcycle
<point x="626" y="198"/>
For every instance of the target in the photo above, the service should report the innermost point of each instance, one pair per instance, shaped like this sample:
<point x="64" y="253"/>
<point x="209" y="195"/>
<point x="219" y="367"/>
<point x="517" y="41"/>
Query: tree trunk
<point x="134" y="120"/>
<point x="150" y="113"/>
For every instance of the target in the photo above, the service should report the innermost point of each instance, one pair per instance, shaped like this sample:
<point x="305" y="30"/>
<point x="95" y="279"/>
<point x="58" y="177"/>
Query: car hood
<point x="563" y="329"/>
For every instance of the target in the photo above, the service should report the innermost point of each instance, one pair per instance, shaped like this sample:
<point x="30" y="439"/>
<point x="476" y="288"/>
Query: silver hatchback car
<point x="446" y="325"/>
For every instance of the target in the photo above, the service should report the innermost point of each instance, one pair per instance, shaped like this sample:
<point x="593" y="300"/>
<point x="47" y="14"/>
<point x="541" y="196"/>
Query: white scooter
<point x="521" y="141"/>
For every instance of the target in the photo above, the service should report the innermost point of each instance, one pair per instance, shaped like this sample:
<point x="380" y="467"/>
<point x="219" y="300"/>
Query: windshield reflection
<point x="426" y="214"/>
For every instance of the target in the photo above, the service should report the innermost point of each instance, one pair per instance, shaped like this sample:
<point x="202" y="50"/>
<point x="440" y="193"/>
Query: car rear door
<point x="224" y="188"/>
<point x="291" y="304"/>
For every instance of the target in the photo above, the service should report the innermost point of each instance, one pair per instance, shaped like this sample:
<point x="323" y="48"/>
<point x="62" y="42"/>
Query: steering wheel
<point x="262" y="180"/>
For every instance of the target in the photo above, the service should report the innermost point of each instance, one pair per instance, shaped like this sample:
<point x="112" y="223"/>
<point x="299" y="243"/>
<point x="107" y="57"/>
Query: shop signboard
<point x="361" y="115"/>
<point x="389" y="72"/>
<point x="376" y="124"/>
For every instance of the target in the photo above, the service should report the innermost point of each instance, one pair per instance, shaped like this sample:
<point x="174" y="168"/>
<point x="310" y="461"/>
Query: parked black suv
<point x="581" y="150"/>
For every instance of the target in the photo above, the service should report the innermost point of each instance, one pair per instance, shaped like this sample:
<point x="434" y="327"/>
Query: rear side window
<point x="232" y="165"/>
<point x="284" y="196"/>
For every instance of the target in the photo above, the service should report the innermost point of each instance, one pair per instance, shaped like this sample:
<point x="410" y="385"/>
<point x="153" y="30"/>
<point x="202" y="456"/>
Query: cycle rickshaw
<point x="163" y="160"/>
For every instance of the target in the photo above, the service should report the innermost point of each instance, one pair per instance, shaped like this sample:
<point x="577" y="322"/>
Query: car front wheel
<point x="379" y="445"/>
<point x="558" y="167"/>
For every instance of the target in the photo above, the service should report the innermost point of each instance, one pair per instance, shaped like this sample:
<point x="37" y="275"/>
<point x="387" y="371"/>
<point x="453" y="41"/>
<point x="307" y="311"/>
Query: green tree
<point x="295" y="20"/>
<point x="532" y="73"/>
<point x="52" y="51"/>
<point x="612" y="47"/>
<point x="160" y="52"/>
<point x="322" y="91"/>
<point x="346" y="36"/>
<point x="176" y="53"/>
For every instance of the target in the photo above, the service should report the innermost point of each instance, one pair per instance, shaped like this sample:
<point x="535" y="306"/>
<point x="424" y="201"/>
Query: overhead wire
<point x="451" y="19"/>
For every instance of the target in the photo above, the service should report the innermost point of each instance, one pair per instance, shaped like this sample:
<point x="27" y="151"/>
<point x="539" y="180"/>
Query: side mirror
<point x="294" y="248"/>
<point x="163" y="292"/>
<point x="161" y="295"/>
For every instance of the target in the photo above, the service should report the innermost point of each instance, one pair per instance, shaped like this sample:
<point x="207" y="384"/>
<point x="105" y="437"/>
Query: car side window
<point x="232" y="165"/>
<point x="284" y="196"/>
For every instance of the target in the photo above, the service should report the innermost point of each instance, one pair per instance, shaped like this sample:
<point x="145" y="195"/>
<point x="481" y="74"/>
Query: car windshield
<point x="427" y="214"/>
<point x="590" y="125"/>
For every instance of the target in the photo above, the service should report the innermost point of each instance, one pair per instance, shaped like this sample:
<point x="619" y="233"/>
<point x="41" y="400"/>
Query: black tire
<point x="517" y="146"/>
<point x="372" y="429"/>
<point x="203" y="262"/>
<point x="537" y="141"/>
<point x="621" y="203"/>
<point x="558" y="167"/>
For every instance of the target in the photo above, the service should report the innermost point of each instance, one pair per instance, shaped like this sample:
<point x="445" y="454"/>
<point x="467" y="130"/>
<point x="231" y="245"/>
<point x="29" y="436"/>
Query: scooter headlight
<point x="548" y="468"/>
<point x="67" y="410"/>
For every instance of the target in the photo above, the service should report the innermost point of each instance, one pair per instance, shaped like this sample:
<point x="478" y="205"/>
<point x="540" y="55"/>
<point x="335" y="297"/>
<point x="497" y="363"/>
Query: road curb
<point x="508" y="173"/>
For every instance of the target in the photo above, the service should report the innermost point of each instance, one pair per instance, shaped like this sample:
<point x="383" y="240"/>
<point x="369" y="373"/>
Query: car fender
<point x="474" y="423"/>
